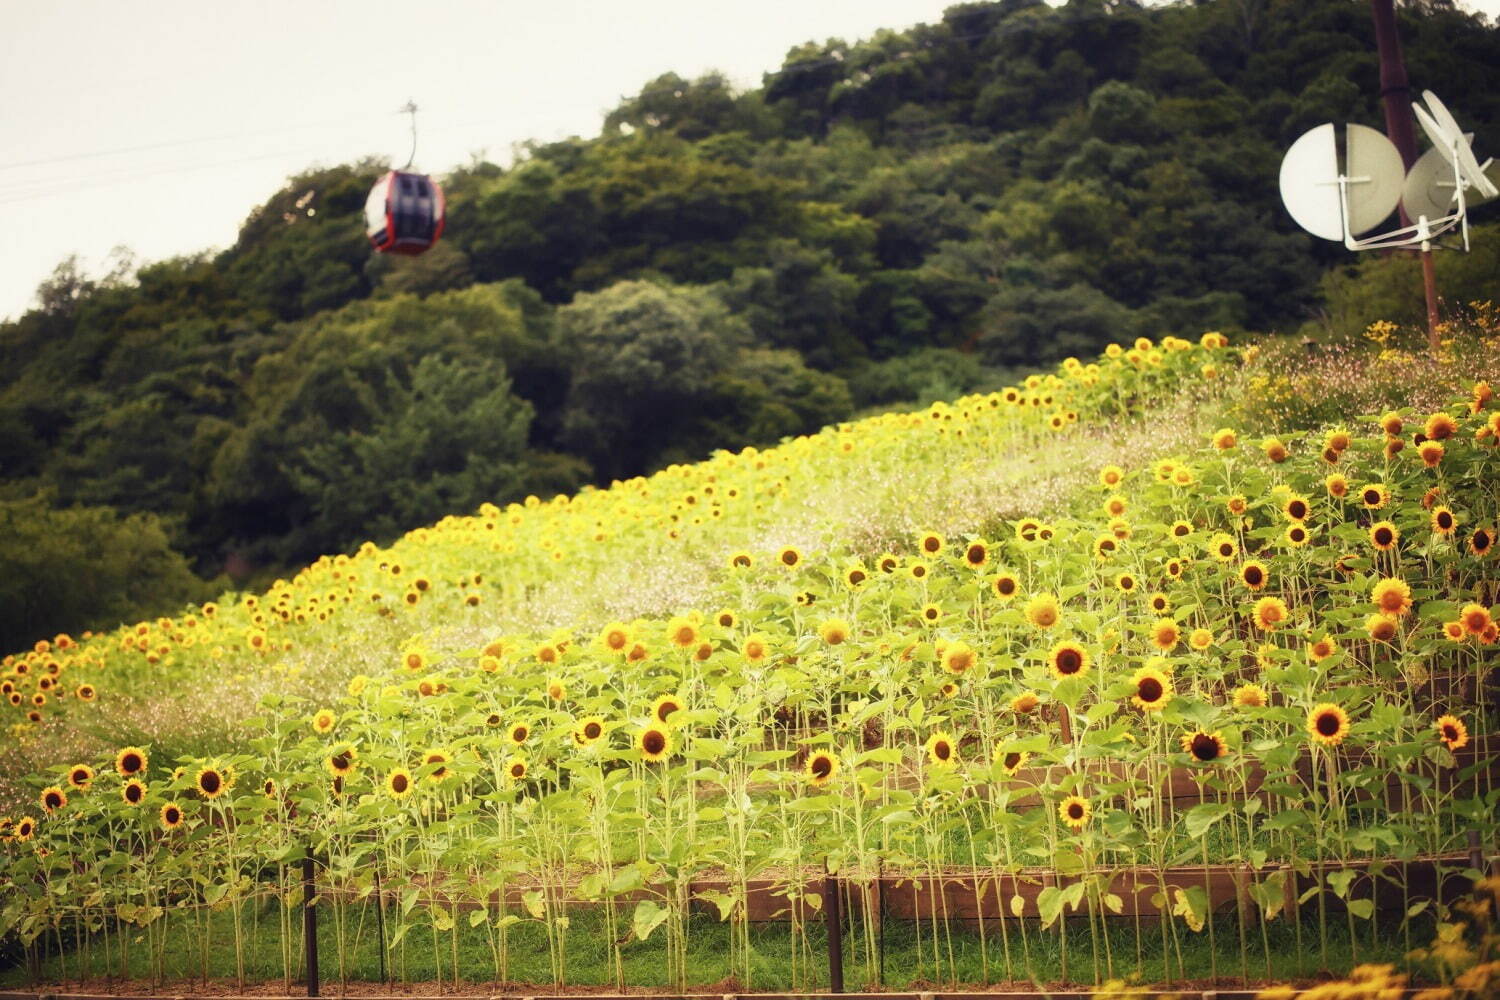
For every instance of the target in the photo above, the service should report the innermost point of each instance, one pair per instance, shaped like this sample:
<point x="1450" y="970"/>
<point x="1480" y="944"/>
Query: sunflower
<point x="1431" y="453"/>
<point x="1159" y="603"/>
<point x="835" y="631"/>
<point x="1443" y="521"/>
<point x="1010" y="761"/>
<point x="930" y="614"/>
<point x="888" y="563"/>
<point x="977" y="555"/>
<point x="1111" y="475"/>
<point x="941" y="751"/>
<point x="1153" y="689"/>
<point x="1297" y="535"/>
<point x="1392" y="596"/>
<point x="1373" y="496"/>
<point x="323" y="721"/>
<point x="52" y="799"/>
<point x="930" y="543"/>
<point x="664" y="707"/>
<point x="1068" y="659"/>
<point x="1201" y="639"/>
<point x="1075" y="811"/>
<point x="588" y="730"/>
<point x="740" y="560"/>
<point x="1043" y="611"/>
<point x="80" y="776"/>
<point x="682" y="633"/>
<point x="1125" y="583"/>
<point x="1455" y="631"/>
<point x="25" y="827"/>
<point x="1275" y="450"/>
<point x="755" y="648"/>
<point x="85" y="692"/>
<point x="439" y="760"/>
<point x="515" y="768"/>
<point x="1322" y="649"/>
<point x="1296" y="508"/>
<point x="1249" y="696"/>
<point x="1380" y="627"/>
<point x="1180" y="529"/>
<point x="789" y="556"/>
<point x="1390" y="422"/>
<point x="1237" y="505"/>
<point x="918" y="570"/>
<point x="556" y="690"/>
<point x="342" y="760"/>
<point x="133" y="792"/>
<point x="1253" y="574"/>
<point x="1439" y="427"/>
<point x="1336" y="485"/>
<point x="1223" y="548"/>
<point x="1270" y="613"/>
<point x="1165" y="634"/>
<point x="958" y="658"/>
<point x="1327" y="724"/>
<point x="211" y="782"/>
<point x="1338" y="440"/>
<point x="131" y="761"/>
<point x="1115" y="506"/>
<point x="1384" y="535"/>
<point x="654" y="743"/>
<point x="171" y="816"/>
<point x="1106" y="546"/>
<point x="614" y="637"/>
<point x="1025" y="703"/>
<point x="1005" y="585"/>
<point x="821" y="768"/>
<point x="854" y="578"/>
<point x="1204" y="747"/>
<point x="1475" y="618"/>
<point x="518" y="734"/>
<point x="1481" y="542"/>
<point x="1452" y="732"/>
<point x="1224" y="439"/>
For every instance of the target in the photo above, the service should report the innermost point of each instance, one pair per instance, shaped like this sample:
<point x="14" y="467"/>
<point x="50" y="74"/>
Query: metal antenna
<point x="410" y="109"/>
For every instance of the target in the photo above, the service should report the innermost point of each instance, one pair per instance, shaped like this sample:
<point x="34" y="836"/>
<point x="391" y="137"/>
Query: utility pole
<point x="1395" y="94"/>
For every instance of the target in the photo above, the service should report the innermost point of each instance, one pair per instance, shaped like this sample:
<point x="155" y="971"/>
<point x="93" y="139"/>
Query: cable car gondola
<point x="405" y="211"/>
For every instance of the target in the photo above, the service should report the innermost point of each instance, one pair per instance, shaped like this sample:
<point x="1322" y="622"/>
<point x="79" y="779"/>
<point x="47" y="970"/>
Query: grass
<point x="907" y="960"/>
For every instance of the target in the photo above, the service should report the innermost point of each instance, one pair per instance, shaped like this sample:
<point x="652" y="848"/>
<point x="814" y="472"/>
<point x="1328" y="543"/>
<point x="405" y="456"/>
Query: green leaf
<point x="724" y="902"/>
<point x="532" y="900"/>
<point x="1201" y="817"/>
<point x="1191" y="904"/>
<point x="477" y="917"/>
<point x="442" y="920"/>
<point x="1049" y="904"/>
<point x="647" y="918"/>
<point x="1364" y="909"/>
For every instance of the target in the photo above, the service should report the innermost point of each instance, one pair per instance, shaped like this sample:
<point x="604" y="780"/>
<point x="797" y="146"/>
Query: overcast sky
<point x="160" y="125"/>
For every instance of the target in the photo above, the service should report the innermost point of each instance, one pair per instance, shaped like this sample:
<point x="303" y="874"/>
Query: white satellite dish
<point x="1375" y="173"/>
<point x="1443" y="130"/>
<point x="1338" y="205"/>
<point x="1309" y="183"/>
<point x="1341" y="204"/>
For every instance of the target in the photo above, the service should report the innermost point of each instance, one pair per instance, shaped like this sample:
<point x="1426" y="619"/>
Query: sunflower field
<point x="1076" y="680"/>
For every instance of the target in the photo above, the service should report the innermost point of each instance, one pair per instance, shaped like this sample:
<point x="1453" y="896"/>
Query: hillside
<point x="971" y="638"/>
<point x="899" y="219"/>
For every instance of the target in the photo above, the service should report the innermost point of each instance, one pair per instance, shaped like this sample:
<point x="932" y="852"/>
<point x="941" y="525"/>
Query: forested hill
<point x="882" y="220"/>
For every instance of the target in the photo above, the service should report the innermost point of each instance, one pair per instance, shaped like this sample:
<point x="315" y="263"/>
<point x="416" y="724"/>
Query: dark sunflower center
<point x="1445" y="520"/>
<point x="929" y="545"/>
<point x="1372" y="497"/>
<point x="1298" y="534"/>
<point x="54" y="800"/>
<point x="1011" y="761"/>
<point x="1226" y="550"/>
<point x="1328" y="724"/>
<point x="132" y="794"/>
<point x="1383" y="536"/>
<point x="1205" y="747"/>
<point x="741" y="561"/>
<point x="1254" y="576"/>
<point x="492" y="720"/>
<point x="340" y="761"/>
<point x="1149" y="689"/>
<point x="822" y="766"/>
<point x="941" y="750"/>
<point x="666" y="709"/>
<point x="1068" y="661"/>
<point x="1450" y="732"/>
<point x="130" y="763"/>
<point x="654" y="742"/>
<point x="789" y="558"/>
<point x="441" y="762"/>
<point x="1126" y="583"/>
<point x="1481" y="541"/>
<point x="79" y="777"/>
<point x="399" y="783"/>
<point x="210" y="781"/>
<point x="518" y="770"/>
<point x="976" y="554"/>
<point x="173" y="816"/>
<point x="1075" y="810"/>
<point x="1006" y="586"/>
<point x="592" y="730"/>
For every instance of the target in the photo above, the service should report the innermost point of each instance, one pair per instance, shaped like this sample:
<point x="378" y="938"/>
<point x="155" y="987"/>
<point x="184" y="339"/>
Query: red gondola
<point x="404" y="213"/>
